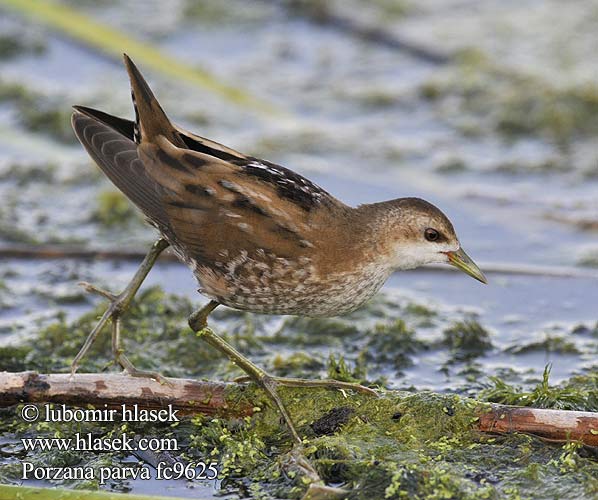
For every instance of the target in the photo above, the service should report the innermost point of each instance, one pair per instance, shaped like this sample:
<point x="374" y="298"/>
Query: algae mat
<point x="405" y="445"/>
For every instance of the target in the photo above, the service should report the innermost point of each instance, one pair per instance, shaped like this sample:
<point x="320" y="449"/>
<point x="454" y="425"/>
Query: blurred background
<point x="487" y="109"/>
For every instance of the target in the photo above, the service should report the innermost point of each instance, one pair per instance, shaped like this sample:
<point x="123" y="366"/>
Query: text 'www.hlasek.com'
<point x="127" y="442"/>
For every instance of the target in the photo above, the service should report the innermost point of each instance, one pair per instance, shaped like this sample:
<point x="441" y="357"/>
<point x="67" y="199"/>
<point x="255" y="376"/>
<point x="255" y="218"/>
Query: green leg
<point x="198" y="323"/>
<point x="118" y="306"/>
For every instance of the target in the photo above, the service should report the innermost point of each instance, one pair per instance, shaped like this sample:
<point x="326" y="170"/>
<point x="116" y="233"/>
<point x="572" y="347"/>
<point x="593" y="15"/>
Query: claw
<point x="118" y="305"/>
<point x="89" y="288"/>
<point x="296" y="461"/>
<point x="158" y="377"/>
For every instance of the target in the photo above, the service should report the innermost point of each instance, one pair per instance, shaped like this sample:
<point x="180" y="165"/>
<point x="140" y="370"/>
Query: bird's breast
<point x="266" y="283"/>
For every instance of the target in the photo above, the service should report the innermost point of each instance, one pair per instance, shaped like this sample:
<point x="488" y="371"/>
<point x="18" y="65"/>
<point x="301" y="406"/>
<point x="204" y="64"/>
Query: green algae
<point x="23" y="174"/>
<point x="13" y="44"/>
<point x="8" y="216"/>
<point x="298" y="362"/>
<point x="549" y="344"/>
<point x="113" y="209"/>
<point x="514" y="104"/>
<point x="578" y="393"/>
<point x="340" y="369"/>
<point x="392" y="344"/>
<point x="49" y="117"/>
<point x="22" y="493"/>
<point x="467" y="339"/>
<point x="38" y="112"/>
<point x="401" y="445"/>
<point x="589" y="258"/>
<point x="213" y="12"/>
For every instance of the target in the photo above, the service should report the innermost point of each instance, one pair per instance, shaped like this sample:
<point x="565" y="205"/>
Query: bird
<point x="257" y="236"/>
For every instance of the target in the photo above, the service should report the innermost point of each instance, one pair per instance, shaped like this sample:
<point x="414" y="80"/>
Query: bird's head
<point x="422" y="234"/>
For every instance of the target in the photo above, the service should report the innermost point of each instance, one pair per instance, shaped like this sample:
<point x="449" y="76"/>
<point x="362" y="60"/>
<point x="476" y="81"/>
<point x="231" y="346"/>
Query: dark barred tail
<point x="150" y="119"/>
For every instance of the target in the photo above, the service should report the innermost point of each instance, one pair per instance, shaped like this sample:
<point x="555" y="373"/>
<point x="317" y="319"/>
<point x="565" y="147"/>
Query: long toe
<point x="135" y="372"/>
<point x="158" y="377"/>
<point x="326" y="383"/>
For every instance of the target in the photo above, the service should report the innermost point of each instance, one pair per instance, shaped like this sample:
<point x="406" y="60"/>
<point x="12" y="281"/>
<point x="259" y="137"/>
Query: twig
<point x="527" y="270"/>
<point x="323" y="14"/>
<point x="553" y="425"/>
<point x="187" y="396"/>
<point x="60" y="252"/>
<point x="191" y="396"/>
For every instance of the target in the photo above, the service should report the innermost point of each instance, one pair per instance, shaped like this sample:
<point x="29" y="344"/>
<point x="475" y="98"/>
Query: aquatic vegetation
<point x="47" y="116"/>
<point x="516" y="105"/>
<point x="589" y="258"/>
<point x="8" y="229"/>
<point x="23" y="174"/>
<point x="405" y="445"/>
<point x="579" y="393"/>
<point x="233" y="11"/>
<point x="467" y="339"/>
<point x="39" y="113"/>
<point x="13" y="44"/>
<point x="113" y="209"/>
<point x="400" y="445"/>
<point x="392" y="344"/>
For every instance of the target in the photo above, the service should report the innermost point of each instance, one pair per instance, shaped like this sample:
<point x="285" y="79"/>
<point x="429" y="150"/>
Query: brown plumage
<point x="258" y="236"/>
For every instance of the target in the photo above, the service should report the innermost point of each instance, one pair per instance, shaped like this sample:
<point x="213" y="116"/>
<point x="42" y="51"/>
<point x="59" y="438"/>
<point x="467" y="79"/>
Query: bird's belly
<point x="290" y="287"/>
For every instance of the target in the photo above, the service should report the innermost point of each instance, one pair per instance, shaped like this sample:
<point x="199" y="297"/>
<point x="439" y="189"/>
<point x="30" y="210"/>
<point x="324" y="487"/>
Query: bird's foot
<point x="135" y="372"/>
<point x="118" y="305"/>
<point x="304" y="382"/>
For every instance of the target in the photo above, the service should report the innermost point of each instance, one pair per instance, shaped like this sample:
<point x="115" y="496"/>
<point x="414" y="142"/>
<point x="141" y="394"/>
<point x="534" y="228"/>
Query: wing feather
<point x="216" y="199"/>
<point x="207" y="192"/>
<point x="117" y="156"/>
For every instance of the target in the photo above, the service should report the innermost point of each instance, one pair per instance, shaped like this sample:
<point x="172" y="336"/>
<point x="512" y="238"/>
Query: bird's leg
<point x="123" y="361"/>
<point x="198" y="323"/>
<point x="118" y="306"/>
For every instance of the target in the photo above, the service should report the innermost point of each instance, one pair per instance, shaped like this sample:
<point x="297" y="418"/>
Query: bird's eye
<point x="431" y="234"/>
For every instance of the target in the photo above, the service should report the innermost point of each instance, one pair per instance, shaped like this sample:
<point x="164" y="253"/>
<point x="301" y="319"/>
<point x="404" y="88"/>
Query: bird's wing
<point x="198" y="191"/>
<point x="246" y="204"/>
<point x="109" y="142"/>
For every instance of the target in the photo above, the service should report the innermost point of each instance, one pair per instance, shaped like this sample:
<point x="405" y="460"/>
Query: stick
<point x="187" y="396"/>
<point x="61" y="252"/>
<point x="192" y="396"/>
<point x="553" y="425"/>
<point x="322" y="14"/>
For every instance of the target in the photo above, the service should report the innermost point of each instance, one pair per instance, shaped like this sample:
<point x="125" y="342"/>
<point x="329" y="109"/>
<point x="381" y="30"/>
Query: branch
<point x="187" y="396"/>
<point x="48" y="252"/>
<point x="210" y="398"/>
<point x="25" y="252"/>
<point x="553" y="425"/>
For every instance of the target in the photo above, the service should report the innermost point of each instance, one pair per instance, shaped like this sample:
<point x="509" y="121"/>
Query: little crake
<point x="257" y="236"/>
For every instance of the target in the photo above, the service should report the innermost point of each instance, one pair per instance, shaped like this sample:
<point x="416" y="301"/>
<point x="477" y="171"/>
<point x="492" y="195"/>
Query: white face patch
<point x="412" y="255"/>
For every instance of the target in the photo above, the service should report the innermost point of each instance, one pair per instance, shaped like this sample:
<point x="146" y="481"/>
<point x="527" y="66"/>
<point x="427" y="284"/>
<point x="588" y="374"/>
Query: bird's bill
<point x="462" y="261"/>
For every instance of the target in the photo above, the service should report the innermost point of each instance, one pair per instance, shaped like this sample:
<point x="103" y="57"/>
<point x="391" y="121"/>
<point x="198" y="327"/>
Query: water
<point x="360" y="129"/>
